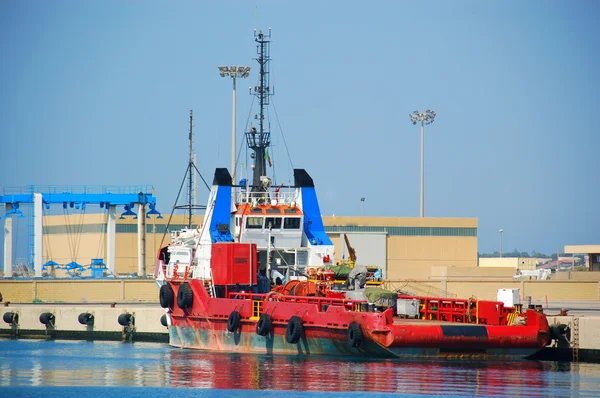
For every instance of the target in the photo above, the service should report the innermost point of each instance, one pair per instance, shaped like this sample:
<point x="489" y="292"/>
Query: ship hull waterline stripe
<point x="247" y="342"/>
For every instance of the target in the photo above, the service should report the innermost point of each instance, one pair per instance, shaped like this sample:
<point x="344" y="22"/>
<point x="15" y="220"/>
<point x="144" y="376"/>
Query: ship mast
<point x="191" y="172"/>
<point x="260" y="140"/>
<point x="190" y="206"/>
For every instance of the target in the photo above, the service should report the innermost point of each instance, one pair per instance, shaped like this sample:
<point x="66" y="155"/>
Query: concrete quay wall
<point x="109" y="298"/>
<point x="585" y="331"/>
<point x="145" y="324"/>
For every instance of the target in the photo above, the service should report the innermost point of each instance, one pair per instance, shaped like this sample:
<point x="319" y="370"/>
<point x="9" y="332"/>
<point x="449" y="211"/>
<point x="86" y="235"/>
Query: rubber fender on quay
<point x="295" y="330"/>
<point x="560" y="332"/>
<point x="264" y="326"/>
<point x="234" y="321"/>
<point x="167" y="296"/>
<point x="85" y="318"/>
<point x="185" y="296"/>
<point x="47" y="318"/>
<point x="125" y="319"/>
<point x="163" y="320"/>
<point x="355" y="334"/>
<point x="12" y="318"/>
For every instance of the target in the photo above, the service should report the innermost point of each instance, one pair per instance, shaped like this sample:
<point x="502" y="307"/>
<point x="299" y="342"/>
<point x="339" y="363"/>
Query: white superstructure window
<point x="254" y="222"/>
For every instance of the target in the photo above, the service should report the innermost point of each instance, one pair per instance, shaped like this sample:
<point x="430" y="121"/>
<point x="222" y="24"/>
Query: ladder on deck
<point x="210" y="286"/>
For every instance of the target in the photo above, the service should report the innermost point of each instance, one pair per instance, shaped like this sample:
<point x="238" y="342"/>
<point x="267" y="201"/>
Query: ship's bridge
<point x="281" y="224"/>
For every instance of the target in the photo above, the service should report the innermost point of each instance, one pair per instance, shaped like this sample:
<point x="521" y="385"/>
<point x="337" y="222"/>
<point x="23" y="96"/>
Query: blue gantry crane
<point x="107" y="198"/>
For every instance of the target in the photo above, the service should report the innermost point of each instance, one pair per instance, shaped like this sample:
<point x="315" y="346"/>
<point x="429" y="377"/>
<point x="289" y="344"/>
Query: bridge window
<point x="275" y="222"/>
<point x="291" y="223"/>
<point x="254" y="222"/>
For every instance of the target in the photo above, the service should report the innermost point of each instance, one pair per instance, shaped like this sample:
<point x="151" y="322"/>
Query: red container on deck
<point x="233" y="263"/>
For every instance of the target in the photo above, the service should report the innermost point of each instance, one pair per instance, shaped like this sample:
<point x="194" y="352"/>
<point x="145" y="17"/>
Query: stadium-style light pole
<point x="234" y="72"/>
<point x="362" y="206"/>
<point x="424" y="118"/>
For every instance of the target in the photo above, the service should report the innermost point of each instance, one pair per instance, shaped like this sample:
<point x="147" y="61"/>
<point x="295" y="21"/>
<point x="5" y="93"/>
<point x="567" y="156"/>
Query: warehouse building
<point x="404" y="247"/>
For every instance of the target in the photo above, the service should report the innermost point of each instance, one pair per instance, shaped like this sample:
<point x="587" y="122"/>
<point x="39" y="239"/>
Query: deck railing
<point x="287" y="197"/>
<point x="322" y="302"/>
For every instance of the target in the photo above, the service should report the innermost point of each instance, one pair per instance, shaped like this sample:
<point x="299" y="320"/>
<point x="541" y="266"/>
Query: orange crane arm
<point x="351" y="251"/>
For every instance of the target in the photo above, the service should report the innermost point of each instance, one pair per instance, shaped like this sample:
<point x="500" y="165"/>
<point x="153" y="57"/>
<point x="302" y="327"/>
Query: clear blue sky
<point x="99" y="93"/>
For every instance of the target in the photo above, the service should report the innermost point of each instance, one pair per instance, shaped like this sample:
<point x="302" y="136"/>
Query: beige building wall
<point x="80" y="291"/>
<point x="593" y="252"/>
<point x="83" y="247"/>
<point x="472" y="273"/>
<point x="408" y="257"/>
<point x="582" y="249"/>
<point x="576" y="276"/>
<point x="522" y="263"/>
<point x="412" y="257"/>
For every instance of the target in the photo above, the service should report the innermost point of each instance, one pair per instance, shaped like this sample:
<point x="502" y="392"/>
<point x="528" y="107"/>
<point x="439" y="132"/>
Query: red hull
<point x="326" y="325"/>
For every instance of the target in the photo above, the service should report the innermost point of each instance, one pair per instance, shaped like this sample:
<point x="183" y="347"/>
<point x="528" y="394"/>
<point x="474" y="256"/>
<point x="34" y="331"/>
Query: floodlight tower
<point x="424" y="118"/>
<point x="234" y="72"/>
<point x="260" y="140"/>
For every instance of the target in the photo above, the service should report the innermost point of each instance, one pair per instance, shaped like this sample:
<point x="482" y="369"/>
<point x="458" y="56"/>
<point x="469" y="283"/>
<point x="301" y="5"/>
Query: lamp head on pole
<point x="501" y="230"/>
<point x="426" y="117"/>
<point x="234" y="71"/>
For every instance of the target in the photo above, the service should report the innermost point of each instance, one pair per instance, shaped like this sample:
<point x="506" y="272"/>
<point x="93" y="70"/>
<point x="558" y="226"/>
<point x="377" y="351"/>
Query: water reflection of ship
<point x="191" y="368"/>
<point x="148" y="365"/>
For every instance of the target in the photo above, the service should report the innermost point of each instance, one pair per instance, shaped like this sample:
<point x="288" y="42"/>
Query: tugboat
<point x="258" y="276"/>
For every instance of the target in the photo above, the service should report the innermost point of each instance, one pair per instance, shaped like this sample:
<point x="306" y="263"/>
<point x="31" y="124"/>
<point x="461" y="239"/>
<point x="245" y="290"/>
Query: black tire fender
<point x="560" y="332"/>
<point x="85" y="318"/>
<point x="234" y="321"/>
<point x="167" y="296"/>
<point x="163" y="320"/>
<point x="125" y="319"/>
<point x="47" y="318"/>
<point x="264" y="326"/>
<point x="355" y="335"/>
<point x="295" y="330"/>
<point x="11" y="318"/>
<point x="185" y="296"/>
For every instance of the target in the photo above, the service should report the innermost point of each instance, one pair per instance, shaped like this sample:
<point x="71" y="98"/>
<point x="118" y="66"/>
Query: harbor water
<point x="83" y="368"/>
